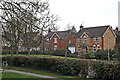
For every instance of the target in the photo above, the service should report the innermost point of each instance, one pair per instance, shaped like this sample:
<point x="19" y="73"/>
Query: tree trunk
<point x="28" y="51"/>
<point x="66" y="54"/>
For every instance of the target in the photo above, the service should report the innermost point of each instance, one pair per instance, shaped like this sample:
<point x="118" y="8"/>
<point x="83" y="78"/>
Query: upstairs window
<point x="94" y="48"/>
<point x="78" y="48"/>
<point x="96" y="39"/>
<point x="85" y="39"/>
<point x="80" y="39"/>
<point x="69" y="41"/>
<point x="47" y="39"/>
<point x="55" y="40"/>
<point x="55" y="47"/>
<point x="98" y="47"/>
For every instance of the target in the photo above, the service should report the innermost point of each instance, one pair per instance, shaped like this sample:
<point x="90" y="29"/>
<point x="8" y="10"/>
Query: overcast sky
<point x="91" y="12"/>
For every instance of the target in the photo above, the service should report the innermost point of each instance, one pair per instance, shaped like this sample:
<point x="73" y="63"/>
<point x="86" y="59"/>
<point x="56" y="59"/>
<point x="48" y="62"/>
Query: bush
<point x="63" y="66"/>
<point x="89" y="55"/>
<point x="48" y="52"/>
<point x="101" y="69"/>
<point x="61" y="52"/>
<point x="74" y="55"/>
<point x="6" y="52"/>
<point x="103" y="54"/>
<point x="106" y="70"/>
<point x="35" y="52"/>
<point x="23" y="52"/>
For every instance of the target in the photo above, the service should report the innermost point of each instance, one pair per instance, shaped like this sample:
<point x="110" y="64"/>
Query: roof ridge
<point x="96" y="27"/>
<point x="93" y="31"/>
<point x="61" y="31"/>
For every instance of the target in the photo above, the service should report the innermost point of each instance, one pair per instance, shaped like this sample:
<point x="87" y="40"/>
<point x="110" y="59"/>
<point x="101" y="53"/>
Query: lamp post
<point x="108" y="47"/>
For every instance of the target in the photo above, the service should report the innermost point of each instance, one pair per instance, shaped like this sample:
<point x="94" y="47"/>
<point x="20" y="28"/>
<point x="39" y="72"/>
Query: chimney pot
<point x="116" y="30"/>
<point x="81" y="27"/>
<point x="49" y="30"/>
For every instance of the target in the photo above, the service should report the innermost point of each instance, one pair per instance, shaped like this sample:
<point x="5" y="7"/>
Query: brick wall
<point x="102" y="41"/>
<point x="61" y="43"/>
<point x="112" y="40"/>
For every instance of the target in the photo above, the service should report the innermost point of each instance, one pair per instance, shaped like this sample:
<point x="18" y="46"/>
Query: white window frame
<point x="80" y="39"/>
<point x="85" y="39"/>
<point x="55" y="40"/>
<point x="47" y="39"/>
<point x="98" y="47"/>
<point x="69" y="41"/>
<point x="55" y="47"/>
<point x="96" y="39"/>
<point x="78" y="48"/>
<point x="94" y="48"/>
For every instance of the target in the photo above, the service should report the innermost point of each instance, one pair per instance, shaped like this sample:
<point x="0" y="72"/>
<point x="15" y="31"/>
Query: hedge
<point x="61" y="52"/>
<point x="75" y="67"/>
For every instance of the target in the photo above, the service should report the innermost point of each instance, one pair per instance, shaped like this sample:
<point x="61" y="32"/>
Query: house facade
<point x="60" y="40"/>
<point x="95" y="38"/>
<point x="87" y="39"/>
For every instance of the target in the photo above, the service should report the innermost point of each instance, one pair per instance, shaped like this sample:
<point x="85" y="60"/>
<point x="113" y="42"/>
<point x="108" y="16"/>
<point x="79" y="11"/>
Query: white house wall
<point x="72" y="49"/>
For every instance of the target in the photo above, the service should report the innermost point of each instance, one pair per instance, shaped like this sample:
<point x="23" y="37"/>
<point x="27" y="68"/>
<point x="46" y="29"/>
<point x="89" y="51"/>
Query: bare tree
<point x="69" y="26"/>
<point x="21" y="19"/>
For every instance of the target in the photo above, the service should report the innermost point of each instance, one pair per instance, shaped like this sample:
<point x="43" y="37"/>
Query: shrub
<point x="103" y="54"/>
<point x="106" y="70"/>
<point x="49" y="52"/>
<point x="63" y="66"/>
<point x="61" y="52"/>
<point x="36" y="52"/>
<point x="101" y="69"/>
<point x="89" y="55"/>
<point x="23" y="52"/>
<point x="74" y="55"/>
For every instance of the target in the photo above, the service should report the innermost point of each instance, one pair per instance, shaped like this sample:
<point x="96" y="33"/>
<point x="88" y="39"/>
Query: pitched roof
<point x="61" y="34"/>
<point x="93" y="31"/>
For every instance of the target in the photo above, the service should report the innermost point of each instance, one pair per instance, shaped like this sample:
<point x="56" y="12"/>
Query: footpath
<point x="33" y="74"/>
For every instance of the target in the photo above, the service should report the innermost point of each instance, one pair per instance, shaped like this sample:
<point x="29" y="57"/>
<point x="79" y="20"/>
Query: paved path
<point x="33" y="74"/>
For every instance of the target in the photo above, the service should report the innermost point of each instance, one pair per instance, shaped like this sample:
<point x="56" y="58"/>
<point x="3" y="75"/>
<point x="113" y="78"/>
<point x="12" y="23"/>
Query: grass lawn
<point x="34" y="55"/>
<point x="39" y="72"/>
<point x="16" y="76"/>
<point x="47" y="73"/>
<point x="50" y="56"/>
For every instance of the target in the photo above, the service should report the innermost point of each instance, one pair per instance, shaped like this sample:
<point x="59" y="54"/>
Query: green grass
<point x="47" y="73"/>
<point x="50" y="56"/>
<point x="15" y="75"/>
<point x="39" y="72"/>
<point x="12" y="75"/>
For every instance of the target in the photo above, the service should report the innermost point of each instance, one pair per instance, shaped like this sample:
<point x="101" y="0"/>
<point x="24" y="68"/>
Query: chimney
<point x="116" y="30"/>
<point x="49" y="30"/>
<point x="81" y="27"/>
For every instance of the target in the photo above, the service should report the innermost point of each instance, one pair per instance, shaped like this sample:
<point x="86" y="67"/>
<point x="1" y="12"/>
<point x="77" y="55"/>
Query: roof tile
<point x="93" y="31"/>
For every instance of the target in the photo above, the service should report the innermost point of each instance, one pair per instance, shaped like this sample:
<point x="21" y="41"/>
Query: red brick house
<point x="95" y="38"/>
<point x="59" y="40"/>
